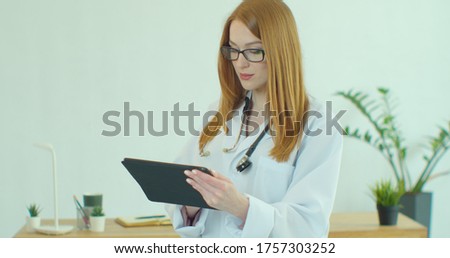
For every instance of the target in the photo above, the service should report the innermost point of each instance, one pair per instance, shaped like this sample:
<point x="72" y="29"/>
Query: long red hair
<point x="273" y="23"/>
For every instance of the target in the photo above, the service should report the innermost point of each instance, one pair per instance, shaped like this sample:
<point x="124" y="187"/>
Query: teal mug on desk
<point x="91" y="200"/>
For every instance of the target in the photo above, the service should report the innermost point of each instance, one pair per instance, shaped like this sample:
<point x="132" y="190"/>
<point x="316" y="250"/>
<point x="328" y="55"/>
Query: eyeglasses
<point x="254" y="55"/>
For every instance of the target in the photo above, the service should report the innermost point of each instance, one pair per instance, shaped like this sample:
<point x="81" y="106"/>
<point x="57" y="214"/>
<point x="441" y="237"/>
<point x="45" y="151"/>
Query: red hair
<point x="273" y="23"/>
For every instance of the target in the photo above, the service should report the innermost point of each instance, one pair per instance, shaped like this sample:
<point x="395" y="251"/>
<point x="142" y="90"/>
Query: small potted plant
<point x="33" y="221"/>
<point x="387" y="197"/>
<point x="97" y="219"/>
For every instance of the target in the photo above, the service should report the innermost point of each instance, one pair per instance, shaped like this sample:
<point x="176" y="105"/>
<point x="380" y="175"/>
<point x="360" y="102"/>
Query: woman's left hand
<point x="219" y="192"/>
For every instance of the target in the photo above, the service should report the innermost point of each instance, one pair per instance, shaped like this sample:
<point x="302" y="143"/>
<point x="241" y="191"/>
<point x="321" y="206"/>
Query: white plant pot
<point x="32" y="223"/>
<point x="97" y="223"/>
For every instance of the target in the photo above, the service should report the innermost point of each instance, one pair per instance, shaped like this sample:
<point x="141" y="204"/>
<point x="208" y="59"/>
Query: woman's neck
<point x="259" y="100"/>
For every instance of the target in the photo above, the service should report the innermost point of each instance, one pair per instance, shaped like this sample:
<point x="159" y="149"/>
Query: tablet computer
<point x="165" y="182"/>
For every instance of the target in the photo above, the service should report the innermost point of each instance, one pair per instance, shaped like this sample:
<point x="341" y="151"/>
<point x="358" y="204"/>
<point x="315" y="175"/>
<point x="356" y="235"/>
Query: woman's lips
<point x="245" y="76"/>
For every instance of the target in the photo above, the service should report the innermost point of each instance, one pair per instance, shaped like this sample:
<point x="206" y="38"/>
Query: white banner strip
<point x="256" y="247"/>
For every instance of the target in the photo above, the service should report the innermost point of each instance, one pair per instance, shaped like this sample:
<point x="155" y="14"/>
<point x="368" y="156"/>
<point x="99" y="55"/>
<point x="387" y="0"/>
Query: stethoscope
<point x="245" y="161"/>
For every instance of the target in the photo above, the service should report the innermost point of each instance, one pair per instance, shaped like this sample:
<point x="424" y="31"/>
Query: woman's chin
<point x="250" y="86"/>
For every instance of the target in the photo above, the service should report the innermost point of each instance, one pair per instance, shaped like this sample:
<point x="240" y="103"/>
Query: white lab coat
<point x="288" y="199"/>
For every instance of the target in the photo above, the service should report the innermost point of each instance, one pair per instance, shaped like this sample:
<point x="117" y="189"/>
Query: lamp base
<point x="53" y="230"/>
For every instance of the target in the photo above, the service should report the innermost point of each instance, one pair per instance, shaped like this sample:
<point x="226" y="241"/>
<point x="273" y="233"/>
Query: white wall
<point x="65" y="63"/>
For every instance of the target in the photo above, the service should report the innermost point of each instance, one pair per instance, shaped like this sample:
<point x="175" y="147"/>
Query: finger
<point x="215" y="184"/>
<point x="201" y="178"/>
<point x="214" y="175"/>
<point x="218" y="175"/>
<point x="209" y="183"/>
<point x="210" y="198"/>
<point x="193" y="174"/>
<point x="189" y="173"/>
<point x="199" y="188"/>
<point x="198" y="181"/>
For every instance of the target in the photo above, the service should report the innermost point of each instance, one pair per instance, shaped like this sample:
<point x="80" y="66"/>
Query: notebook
<point x="143" y="222"/>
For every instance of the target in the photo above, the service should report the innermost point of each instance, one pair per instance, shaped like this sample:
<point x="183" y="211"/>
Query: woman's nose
<point x="242" y="62"/>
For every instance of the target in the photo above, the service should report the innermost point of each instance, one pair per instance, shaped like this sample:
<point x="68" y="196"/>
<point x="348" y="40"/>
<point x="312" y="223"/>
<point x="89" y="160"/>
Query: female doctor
<point x="274" y="167"/>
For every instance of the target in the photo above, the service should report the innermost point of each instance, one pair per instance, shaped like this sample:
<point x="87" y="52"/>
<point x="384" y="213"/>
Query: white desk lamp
<point x="55" y="229"/>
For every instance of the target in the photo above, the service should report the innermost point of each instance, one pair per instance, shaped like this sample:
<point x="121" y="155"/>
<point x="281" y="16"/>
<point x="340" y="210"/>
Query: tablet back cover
<point x="164" y="182"/>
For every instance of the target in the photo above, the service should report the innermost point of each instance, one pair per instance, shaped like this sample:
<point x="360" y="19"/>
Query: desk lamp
<point x="56" y="229"/>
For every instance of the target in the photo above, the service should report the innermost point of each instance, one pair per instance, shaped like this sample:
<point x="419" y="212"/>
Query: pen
<point x="80" y="208"/>
<point x="151" y="217"/>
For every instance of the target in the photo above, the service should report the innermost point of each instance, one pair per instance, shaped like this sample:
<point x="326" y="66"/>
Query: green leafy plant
<point x="33" y="210"/>
<point x="389" y="141"/>
<point x="386" y="193"/>
<point x="97" y="212"/>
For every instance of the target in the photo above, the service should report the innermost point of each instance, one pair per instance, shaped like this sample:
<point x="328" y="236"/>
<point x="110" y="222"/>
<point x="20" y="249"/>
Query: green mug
<point x="93" y="199"/>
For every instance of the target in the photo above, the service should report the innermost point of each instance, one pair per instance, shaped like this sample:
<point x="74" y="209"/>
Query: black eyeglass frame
<point x="243" y="52"/>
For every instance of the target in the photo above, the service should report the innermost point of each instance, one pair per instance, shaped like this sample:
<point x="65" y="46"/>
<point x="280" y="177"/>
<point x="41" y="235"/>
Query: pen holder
<point x="82" y="222"/>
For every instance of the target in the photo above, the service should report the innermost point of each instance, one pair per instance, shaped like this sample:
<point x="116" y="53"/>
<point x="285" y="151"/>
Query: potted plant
<point x="97" y="219"/>
<point x="33" y="221"/>
<point x="389" y="141"/>
<point x="387" y="197"/>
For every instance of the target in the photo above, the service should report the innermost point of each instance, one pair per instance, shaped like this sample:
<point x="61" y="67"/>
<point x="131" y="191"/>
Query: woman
<point x="289" y="188"/>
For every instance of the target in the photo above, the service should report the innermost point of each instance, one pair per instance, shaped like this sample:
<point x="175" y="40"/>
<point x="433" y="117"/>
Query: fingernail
<point x="189" y="181"/>
<point x="186" y="172"/>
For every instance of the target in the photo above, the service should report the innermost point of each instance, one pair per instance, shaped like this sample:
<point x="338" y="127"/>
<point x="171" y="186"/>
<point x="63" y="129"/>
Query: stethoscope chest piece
<point x="243" y="164"/>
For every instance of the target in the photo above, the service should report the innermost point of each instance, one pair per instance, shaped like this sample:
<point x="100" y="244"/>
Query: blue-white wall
<point x="63" y="64"/>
